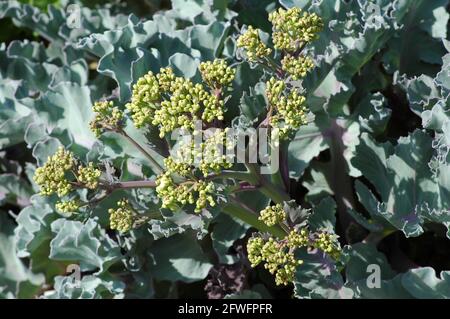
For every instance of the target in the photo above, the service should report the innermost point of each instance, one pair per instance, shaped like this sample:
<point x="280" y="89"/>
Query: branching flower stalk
<point x="169" y="103"/>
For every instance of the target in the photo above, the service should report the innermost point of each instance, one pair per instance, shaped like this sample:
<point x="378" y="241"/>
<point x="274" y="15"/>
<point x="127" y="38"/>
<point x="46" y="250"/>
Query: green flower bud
<point x="121" y="218"/>
<point x="51" y="178"/>
<point x="71" y="206"/>
<point x="107" y="117"/>
<point x="297" y="68"/>
<point x="251" y="42"/>
<point x="146" y="93"/>
<point x="273" y="215"/>
<point x="274" y="90"/>
<point x="292" y="29"/>
<point x="217" y="73"/>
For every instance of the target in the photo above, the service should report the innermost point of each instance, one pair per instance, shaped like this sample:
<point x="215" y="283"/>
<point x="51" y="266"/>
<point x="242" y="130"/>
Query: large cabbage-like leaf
<point x="410" y="192"/>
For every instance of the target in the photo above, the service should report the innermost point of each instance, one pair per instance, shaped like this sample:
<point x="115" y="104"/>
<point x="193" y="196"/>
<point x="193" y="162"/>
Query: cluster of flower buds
<point x="273" y="215"/>
<point x="107" y="117"/>
<point x="51" y="177"/>
<point x="122" y="217"/>
<point x="58" y="176"/>
<point x="188" y="103"/>
<point x="68" y="207"/>
<point x="292" y="28"/>
<point x="173" y="195"/>
<point x="89" y="175"/>
<point x="177" y="166"/>
<point x="213" y="153"/>
<point x="327" y="243"/>
<point x="278" y="258"/>
<point x="278" y="255"/>
<point x="146" y="95"/>
<point x="170" y="102"/>
<point x="217" y="73"/>
<point x="298" y="67"/>
<point x="291" y="114"/>
<point x="274" y="90"/>
<point x="290" y="109"/>
<point x="165" y="79"/>
<point x="254" y="47"/>
<point x="189" y="160"/>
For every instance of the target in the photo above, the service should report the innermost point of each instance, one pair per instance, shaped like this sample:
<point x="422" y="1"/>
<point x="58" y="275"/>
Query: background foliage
<point x="374" y="164"/>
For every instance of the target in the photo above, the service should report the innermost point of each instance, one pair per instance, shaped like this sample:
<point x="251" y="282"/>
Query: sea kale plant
<point x="225" y="149"/>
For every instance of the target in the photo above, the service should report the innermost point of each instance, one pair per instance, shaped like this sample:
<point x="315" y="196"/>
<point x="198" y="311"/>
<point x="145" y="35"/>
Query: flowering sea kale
<point x="225" y="149"/>
<point x="197" y="173"/>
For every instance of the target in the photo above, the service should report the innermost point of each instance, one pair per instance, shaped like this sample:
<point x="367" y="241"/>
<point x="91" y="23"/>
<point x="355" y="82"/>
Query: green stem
<point x="158" y="168"/>
<point x="238" y="210"/>
<point x="281" y="177"/>
<point x="266" y="187"/>
<point x="272" y="64"/>
<point x="273" y="192"/>
<point x="133" y="184"/>
<point x="341" y="182"/>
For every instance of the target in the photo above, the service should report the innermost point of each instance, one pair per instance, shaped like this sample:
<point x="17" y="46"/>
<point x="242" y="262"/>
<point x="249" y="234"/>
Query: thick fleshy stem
<point x="341" y="182"/>
<point x="266" y="186"/>
<point x="130" y="184"/>
<point x="234" y="207"/>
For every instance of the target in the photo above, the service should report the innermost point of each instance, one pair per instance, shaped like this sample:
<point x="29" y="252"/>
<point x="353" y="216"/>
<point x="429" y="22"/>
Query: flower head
<point x="274" y="90"/>
<point x="292" y="29"/>
<point x="165" y="79"/>
<point x="107" y="117"/>
<point x="201" y="193"/>
<point x="273" y="215"/>
<point x="297" y="68"/>
<point x="188" y="102"/>
<point x="121" y="218"/>
<point x="216" y="73"/>
<point x="146" y="93"/>
<point x="70" y="206"/>
<point x="291" y="113"/>
<point x="276" y="257"/>
<point x="89" y="175"/>
<point x="51" y="177"/>
<point x="254" y="47"/>
<point x="327" y="243"/>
